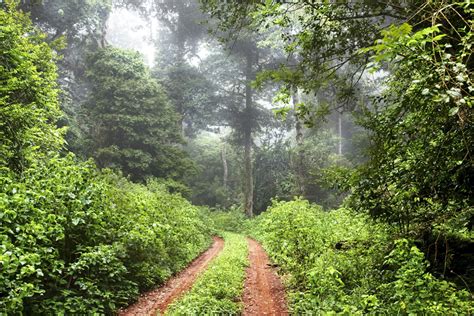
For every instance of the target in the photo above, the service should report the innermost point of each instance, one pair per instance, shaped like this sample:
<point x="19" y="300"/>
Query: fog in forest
<point x="176" y="42"/>
<point x="327" y="144"/>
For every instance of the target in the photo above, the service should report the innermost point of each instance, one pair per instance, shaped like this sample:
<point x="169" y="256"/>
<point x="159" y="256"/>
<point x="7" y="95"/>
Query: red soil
<point x="264" y="293"/>
<point x="158" y="300"/>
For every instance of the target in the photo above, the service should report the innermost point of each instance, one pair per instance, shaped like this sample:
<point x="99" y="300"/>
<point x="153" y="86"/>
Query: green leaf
<point x="453" y="111"/>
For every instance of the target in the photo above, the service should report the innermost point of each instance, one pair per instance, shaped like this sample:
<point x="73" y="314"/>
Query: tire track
<point x="264" y="294"/>
<point x="158" y="300"/>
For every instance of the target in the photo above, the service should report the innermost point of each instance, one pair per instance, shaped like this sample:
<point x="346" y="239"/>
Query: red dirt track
<point x="158" y="300"/>
<point x="264" y="293"/>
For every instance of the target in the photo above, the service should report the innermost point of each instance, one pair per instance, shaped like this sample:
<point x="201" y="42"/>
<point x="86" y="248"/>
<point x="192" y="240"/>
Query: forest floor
<point x="157" y="300"/>
<point x="264" y="293"/>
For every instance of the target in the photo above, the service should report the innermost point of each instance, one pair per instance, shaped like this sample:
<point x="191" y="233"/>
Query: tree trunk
<point x="339" y="120"/>
<point x="300" y="172"/>
<point x="248" y="168"/>
<point x="225" y="176"/>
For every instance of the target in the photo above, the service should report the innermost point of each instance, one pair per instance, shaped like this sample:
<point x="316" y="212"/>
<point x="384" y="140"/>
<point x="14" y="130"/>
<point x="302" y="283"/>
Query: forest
<point x="252" y="157"/>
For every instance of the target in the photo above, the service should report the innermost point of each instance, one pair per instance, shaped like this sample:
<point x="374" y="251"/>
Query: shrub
<point x="72" y="239"/>
<point x="28" y="91"/>
<point x="343" y="262"/>
<point x="79" y="241"/>
<point x="233" y="220"/>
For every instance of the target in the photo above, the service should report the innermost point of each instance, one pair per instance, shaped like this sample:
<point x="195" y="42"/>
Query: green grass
<point x="219" y="288"/>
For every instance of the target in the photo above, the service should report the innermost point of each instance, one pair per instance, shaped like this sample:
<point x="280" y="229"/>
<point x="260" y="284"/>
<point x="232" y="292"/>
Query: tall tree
<point x="28" y="102"/>
<point x="250" y="59"/>
<point x="132" y="124"/>
<point x="192" y="95"/>
<point x="233" y="73"/>
<point x="300" y="170"/>
<point x="177" y="44"/>
<point x="82" y="24"/>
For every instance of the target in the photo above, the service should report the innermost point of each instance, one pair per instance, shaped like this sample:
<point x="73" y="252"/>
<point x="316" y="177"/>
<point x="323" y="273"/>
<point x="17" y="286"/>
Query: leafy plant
<point x="131" y="125"/>
<point x="343" y="262"/>
<point x="73" y="239"/>
<point x="28" y="92"/>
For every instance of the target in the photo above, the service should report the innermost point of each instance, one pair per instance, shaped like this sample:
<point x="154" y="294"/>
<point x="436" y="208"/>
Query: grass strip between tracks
<point x="219" y="289"/>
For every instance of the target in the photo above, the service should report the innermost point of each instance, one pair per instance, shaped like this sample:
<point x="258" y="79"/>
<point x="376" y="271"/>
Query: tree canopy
<point x="131" y="123"/>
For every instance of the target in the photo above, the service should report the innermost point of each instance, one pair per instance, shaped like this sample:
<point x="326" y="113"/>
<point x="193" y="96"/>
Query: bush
<point x="233" y="220"/>
<point x="72" y="239"/>
<point x="29" y="92"/>
<point x="344" y="262"/>
<point x="79" y="241"/>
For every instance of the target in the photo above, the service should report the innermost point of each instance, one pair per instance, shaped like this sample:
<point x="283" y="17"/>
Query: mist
<point x="196" y="157"/>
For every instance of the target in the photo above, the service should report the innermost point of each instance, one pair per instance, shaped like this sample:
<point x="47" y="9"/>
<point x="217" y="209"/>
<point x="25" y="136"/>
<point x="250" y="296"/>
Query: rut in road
<point x="264" y="294"/>
<point x="158" y="300"/>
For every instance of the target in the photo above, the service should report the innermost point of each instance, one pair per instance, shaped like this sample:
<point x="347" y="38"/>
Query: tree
<point x="28" y="101"/>
<point x="420" y="175"/>
<point x="73" y="19"/>
<point x="82" y="25"/>
<point x="192" y="95"/>
<point x="132" y="125"/>
<point x="179" y="37"/>
<point x="217" y="182"/>
<point x="273" y="173"/>
<point x="319" y="38"/>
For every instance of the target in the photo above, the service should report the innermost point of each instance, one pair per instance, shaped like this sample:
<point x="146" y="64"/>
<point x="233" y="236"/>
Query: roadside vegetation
<point x="232" y="220"/>
<point x="73" y="238"/>
<point x="219" y="290"/>
<point x="343" y="262"/>
<point x="340" y="134"/>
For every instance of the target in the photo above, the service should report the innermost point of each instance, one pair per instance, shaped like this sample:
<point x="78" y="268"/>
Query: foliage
<point x="342" y="262"/>
<point x="28" y="99"/>
<point x="132" y="125"/>
<point x="74" y="18"/>
<point x="273" y="174"/>
<point x="420" y="174"/>
<point x="219" y="289"/>
<point x="232" y="220"/>
<point x="318" y="38"/>
<point x="81" y="26"/>
<point x="433" y="297"/>
<point x="73" y="239"/>
<point x="78" y="241"/>
<point x="191" y="94"/>
<point x="210" y="185"/>
<point x="320" y="158"/>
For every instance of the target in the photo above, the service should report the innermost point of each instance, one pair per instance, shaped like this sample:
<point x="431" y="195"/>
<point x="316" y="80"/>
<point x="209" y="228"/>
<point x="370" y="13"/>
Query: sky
<point x="126" y="29"/>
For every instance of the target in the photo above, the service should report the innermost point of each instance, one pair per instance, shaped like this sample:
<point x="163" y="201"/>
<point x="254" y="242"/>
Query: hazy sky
<point x="126" y="29"/>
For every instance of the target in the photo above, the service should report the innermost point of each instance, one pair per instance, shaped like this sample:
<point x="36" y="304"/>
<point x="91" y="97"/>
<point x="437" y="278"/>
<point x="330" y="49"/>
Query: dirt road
<point x="264" y="293"/>
<point x="158" y="300"/>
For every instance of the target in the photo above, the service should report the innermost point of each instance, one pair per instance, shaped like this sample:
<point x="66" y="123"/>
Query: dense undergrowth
<point x="342" y="262"/>
<point x="218" y="290"/>
<point x="233" y="220"/>
<point x="80" y="241"/>
<point x="73" y="240"/>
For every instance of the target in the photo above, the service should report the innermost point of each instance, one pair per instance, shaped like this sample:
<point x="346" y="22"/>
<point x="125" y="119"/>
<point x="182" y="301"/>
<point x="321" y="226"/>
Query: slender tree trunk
<point x="339" y="120"/>
<point x="300" y="172"/>
<point x="248" y="167"/>
<point x="225" y="175"/>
